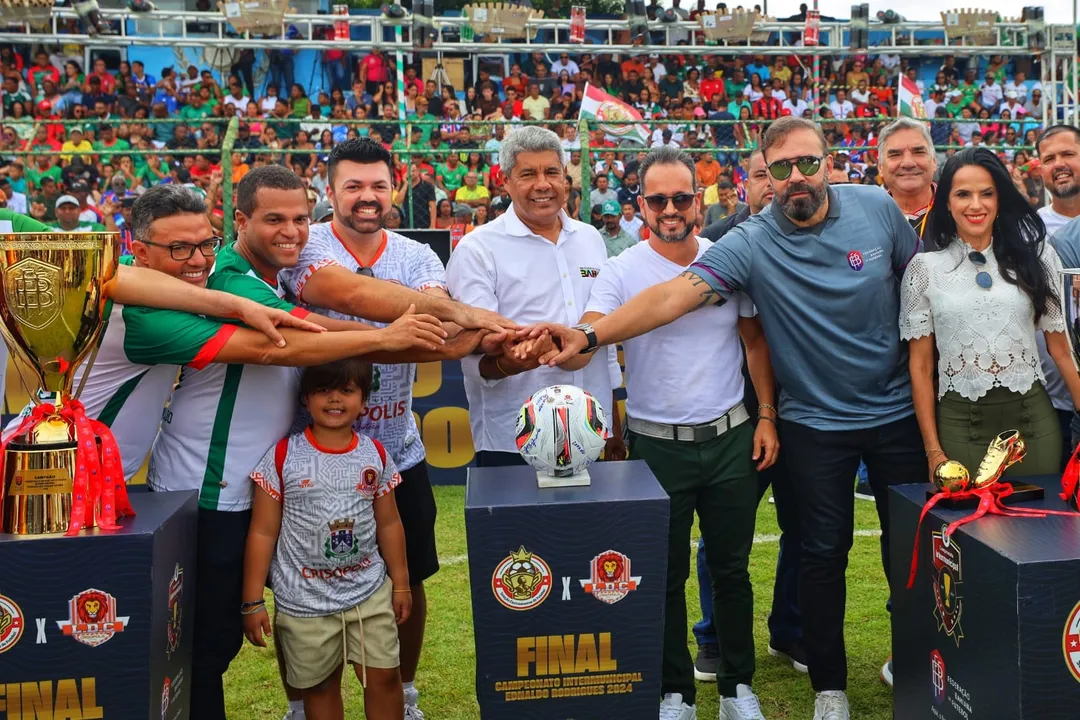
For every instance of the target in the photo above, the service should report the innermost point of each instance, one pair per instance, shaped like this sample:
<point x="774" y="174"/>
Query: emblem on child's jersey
<point x="369" y="482"/>
<point x="341" y="542"/>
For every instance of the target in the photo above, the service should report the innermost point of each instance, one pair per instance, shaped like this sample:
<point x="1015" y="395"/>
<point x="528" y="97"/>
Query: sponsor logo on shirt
<point x="855" y="260"/>
<point x="306" y="484"/>
<point x="386" y="411"/>
<point x="92" y="618"/>
<point x="589" y="272"/>
<point x="610" y="579"/>
<point x="334" y="573"/>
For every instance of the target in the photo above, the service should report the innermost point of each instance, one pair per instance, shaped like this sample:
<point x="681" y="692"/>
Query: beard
<point x="1064" y="193"/>
<point x="672" y="236"/>
<point x="349" y="220"/>
<point x="802" y="209"/>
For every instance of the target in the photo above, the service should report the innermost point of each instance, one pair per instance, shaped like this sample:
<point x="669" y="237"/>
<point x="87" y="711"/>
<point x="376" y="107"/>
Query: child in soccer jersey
<point x="325" y="527"/>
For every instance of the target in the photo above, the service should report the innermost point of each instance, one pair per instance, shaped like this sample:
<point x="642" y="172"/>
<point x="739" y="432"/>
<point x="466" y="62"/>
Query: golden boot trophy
<point x="52" y="309"/>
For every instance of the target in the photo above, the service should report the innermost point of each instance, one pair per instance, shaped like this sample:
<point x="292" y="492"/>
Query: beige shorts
<point x="314" y="646"/>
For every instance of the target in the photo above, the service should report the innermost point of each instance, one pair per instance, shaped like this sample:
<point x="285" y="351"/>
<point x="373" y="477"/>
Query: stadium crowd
<point x="453" y="182"/>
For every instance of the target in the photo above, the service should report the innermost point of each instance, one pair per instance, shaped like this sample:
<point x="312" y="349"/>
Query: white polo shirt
<point x="700" y="350"/>
<point x="503" y="266"/>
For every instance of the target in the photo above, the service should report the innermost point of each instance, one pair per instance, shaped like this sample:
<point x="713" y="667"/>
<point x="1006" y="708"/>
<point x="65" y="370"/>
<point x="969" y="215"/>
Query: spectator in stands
<point x="603" y="193"/>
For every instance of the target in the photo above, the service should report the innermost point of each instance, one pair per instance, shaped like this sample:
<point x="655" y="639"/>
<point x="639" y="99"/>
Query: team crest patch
<point x="1070" y="642"/>
<point x="11" y="623"/>
<point x="176" y="595"/>
<point x="948" y="584"/>
<point x="341" y="542"/>
<point x="92" y="618"/>
<point x="855" y="260"/>
<point x="611" y="580"/>
<point x="369" y="482"/>
<point x="521" y="581"/>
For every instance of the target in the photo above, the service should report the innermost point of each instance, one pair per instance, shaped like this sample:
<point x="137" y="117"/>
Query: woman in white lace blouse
<point x="979" y="301"/>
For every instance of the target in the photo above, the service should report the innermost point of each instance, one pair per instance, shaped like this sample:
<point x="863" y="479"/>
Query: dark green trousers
<point x="966" y="428"/>
<point x="717" y="479"/>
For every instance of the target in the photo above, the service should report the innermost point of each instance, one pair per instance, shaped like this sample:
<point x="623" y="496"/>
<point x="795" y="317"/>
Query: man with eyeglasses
<point x="223" y="417"/>
<point x="823" y="266"/>
<point x="700" y="445"/>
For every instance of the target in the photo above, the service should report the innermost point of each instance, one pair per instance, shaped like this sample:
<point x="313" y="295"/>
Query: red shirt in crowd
<point x="108" y="82"/>
<point x="375" y="66"/>
<point x="767" y="108"/>
<point x="711" y="87"/>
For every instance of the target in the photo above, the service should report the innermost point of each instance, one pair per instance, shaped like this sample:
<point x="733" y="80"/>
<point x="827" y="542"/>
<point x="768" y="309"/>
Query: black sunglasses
<point x="185" y="251"/>
<point x="808" y="165"/>
<point x="982" y="279"/>
<point x="659" y="203"/>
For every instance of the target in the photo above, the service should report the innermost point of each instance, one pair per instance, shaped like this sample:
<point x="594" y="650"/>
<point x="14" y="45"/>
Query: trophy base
<point x="1022" y="492"/>
<point x="37" y="488"/>
<point x="581" y="479"/>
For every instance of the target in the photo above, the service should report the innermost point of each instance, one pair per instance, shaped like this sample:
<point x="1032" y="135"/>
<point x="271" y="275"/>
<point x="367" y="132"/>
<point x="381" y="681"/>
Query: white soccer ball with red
<point x="561" y="430"/>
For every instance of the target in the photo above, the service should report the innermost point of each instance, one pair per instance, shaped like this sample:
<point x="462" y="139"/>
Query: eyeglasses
<point x="982" y="279"/>
<point x="659" y="203"/>
<point x="808" y="165"/>
<point x="185" y="251"/>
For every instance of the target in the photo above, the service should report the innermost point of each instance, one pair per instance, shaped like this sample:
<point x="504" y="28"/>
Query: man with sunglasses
<point x="823" y="267"/>
<point x="699" y="445"/>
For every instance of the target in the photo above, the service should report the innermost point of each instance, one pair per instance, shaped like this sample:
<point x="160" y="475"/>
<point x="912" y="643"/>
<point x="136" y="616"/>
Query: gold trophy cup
<point x="52" y="307"/>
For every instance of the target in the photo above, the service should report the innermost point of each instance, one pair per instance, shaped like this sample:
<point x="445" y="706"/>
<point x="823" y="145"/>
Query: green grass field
<point x="446" y="679"/>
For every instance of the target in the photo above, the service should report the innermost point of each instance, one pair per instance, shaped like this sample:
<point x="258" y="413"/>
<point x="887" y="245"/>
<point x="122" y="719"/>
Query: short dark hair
<point x="780" y="129"/>
<point x="667" y="155"/>
<point x="1056" y="130"/>
<point x="364" y="151"/>
<point x="336" y="376"/>
<point x="162" y="201"/>
<point x="271" y="177"/>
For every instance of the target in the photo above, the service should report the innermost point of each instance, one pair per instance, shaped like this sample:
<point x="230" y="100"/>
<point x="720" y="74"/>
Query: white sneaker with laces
<point x="744" y="706"/>
<point x="673" y="708"/>
<point x="831" y="705"/>
<point x="412" y="712"/>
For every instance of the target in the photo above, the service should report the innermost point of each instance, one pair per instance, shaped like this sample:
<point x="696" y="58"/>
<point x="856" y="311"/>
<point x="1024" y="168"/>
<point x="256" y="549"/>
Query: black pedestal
<point x="567" y="593"/>
<point x="991" y="628"/>
<point x="99" y="625"/>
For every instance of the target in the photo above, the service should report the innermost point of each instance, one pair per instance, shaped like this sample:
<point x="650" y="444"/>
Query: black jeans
<point x="823" y="466"/>
<point x="218" y="627"/>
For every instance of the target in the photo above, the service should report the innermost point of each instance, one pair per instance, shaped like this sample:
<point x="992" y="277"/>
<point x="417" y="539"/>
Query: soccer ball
<point x="561" y="430"/>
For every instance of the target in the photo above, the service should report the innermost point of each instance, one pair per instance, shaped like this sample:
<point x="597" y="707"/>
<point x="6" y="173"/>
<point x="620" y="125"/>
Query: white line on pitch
<point x="758" y="540"/>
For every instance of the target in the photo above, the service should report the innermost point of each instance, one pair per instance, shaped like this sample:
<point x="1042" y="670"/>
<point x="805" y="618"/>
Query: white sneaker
<point x="744" y="706"/>
<point x="673" y="708"/>
<point x="412" y="712"/>
<point x="831" y="705"/>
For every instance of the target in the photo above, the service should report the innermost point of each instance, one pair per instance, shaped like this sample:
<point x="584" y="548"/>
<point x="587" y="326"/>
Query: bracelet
<point x="766" y="406"/>
<point x="253" y="603"/>
<point x="253" y="611"/>
<point x="402" y="591"/>
<point x="934" y="451"/>
<point x="767" y="418"/>
<point x="500" y="367"/>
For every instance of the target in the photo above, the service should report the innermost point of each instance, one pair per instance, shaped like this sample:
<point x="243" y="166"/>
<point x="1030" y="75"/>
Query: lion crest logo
<point x="610" y="580"/>
<point x="92" y="618"/>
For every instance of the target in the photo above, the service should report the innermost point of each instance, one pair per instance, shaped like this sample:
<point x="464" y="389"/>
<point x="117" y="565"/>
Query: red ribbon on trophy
<point x="98" y="478"/>
<point x="990" y="497"/>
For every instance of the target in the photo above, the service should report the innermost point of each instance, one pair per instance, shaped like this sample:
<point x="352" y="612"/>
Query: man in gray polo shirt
<point x="1067" y="243"/>
<point x="823" y="267"/>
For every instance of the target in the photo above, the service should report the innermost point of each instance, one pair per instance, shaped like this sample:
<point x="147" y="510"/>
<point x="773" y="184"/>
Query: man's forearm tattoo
<point x="708" y="295"/>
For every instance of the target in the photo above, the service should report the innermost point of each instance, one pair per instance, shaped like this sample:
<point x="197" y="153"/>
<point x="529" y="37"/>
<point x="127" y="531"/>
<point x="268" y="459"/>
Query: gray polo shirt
<point x="829" y="300"/>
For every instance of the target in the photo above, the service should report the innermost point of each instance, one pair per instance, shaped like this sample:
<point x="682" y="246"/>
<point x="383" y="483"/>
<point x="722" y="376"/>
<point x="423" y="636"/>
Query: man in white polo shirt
<point x="701" y="445"/>
<point x="532" y="263"/>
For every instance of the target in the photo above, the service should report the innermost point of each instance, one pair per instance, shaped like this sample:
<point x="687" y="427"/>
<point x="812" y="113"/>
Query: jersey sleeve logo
<point x="369" y="482"/>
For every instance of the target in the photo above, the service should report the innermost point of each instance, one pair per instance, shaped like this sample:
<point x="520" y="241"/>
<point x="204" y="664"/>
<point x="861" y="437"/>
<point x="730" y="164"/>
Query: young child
<point x="325" y="526"/>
